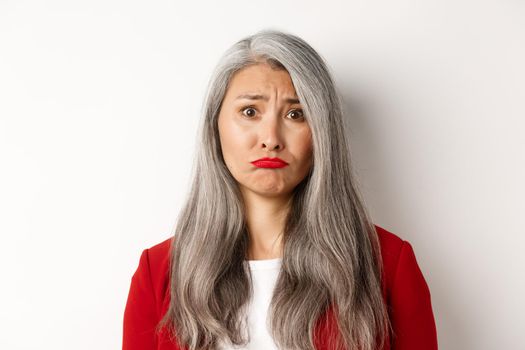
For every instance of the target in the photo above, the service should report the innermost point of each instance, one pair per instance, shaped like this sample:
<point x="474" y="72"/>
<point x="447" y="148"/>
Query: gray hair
<point x="331" y="260"/>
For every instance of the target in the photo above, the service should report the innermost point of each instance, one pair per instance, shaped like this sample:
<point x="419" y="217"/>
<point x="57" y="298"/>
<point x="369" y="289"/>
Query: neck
<point x="265" y="217"/>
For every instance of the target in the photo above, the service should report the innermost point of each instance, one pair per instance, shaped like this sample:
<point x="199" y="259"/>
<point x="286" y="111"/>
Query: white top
<point x="264" y="276"/>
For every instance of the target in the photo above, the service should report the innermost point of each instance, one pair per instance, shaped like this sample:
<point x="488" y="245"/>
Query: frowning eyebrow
<point x="265" y="98"/>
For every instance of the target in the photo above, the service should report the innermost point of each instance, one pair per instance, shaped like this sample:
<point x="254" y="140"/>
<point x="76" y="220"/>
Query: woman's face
<point x="261" y="117"/>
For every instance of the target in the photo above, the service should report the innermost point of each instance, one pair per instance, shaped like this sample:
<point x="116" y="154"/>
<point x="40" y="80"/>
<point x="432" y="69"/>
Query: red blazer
<point x="405" y="291"/>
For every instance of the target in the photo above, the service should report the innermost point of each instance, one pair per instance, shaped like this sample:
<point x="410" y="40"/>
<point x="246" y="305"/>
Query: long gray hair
<point x="331" y="258"/>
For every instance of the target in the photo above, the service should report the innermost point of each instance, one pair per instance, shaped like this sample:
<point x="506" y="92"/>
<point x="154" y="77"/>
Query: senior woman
<point x="274" y="248"/>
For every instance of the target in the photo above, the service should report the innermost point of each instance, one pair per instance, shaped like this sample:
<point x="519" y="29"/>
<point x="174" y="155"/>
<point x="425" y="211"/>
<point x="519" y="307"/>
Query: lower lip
<point x="269" y="164"/>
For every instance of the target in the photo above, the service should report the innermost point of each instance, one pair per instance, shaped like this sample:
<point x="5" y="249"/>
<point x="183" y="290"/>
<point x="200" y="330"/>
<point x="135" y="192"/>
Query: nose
<point x="271" y="134"/>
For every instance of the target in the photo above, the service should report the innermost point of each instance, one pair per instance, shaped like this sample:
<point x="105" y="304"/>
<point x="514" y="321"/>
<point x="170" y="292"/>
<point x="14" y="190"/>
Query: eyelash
<point x="292" y="110"/>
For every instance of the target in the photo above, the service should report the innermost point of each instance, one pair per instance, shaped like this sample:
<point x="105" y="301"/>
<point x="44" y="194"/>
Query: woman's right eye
<point x="248" y="111"/>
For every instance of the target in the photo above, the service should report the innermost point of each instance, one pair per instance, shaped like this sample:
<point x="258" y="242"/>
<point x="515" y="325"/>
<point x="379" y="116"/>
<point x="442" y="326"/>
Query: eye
<point x="250" y="112"/>
<point x="297" y="112"/>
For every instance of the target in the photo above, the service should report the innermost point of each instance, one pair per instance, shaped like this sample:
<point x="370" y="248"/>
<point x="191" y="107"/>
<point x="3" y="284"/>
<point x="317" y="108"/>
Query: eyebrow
<point x="265" y="98"/>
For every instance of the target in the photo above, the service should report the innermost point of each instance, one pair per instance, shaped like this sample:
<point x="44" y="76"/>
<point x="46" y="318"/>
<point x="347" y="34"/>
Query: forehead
<point x="259" y="78"/>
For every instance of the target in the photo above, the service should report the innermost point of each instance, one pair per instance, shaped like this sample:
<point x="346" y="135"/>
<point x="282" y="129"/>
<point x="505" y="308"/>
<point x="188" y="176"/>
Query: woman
<point x="274" y="248"/>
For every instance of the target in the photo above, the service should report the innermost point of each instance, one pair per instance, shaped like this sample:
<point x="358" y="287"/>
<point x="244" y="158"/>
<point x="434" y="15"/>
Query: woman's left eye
<point x="298" y="112"/>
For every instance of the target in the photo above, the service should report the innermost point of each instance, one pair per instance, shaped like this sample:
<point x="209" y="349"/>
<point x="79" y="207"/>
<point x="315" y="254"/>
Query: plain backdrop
<point x="99" y="107"/>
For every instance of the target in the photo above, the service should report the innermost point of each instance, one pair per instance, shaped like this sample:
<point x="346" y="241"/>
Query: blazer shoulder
<point x="390" y="242"/>
<point x="391" y="248"/>
<point x="407" y="294"/>
<point x="160" y="252"/>
<point x="159" y="258"/>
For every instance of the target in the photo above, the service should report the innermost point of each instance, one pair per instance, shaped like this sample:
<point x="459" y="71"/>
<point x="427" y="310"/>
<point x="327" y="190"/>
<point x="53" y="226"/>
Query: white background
<point x="99" y="107"/>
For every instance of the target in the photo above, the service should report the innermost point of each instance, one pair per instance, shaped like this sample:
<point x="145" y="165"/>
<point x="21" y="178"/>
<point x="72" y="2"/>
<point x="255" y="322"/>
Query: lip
<point x="269" y="163"/>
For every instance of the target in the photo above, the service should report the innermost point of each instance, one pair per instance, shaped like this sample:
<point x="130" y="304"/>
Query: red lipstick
<point x="269" y="163"/>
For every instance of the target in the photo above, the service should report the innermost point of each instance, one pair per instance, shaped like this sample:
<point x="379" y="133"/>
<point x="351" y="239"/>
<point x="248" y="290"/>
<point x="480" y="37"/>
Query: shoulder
<point x="159" y="253"/>
<point x="391" y="248"/>
<point x="392" y="245"/>
<point x="159" y="257"/>
<point x="401" y="271"/>
<point x="396" y="253"/>
<point x="389" y="241"/>
<point x="146" y="300"/>
<point x="407" y="294"/>
<point x="157" y="261"/>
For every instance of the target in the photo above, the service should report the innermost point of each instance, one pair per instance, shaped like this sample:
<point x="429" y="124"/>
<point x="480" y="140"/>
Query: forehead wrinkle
<point x="256" y="96"/>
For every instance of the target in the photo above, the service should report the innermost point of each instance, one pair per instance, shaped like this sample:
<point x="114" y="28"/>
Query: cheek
<point x="235" y="144"/>
<point x="305" y="144"/>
